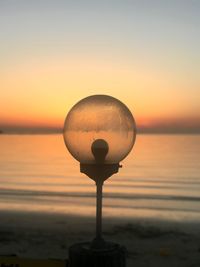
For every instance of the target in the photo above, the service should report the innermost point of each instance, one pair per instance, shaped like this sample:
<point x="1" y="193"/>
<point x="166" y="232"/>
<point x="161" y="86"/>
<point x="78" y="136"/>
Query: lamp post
<point x="99" y="132"/>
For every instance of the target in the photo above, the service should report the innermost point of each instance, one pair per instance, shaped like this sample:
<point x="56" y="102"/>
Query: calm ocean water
<point x="159" y="179"/>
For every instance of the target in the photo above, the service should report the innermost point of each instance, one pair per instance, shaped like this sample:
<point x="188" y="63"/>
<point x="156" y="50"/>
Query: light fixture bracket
<point x="99" y="172"/>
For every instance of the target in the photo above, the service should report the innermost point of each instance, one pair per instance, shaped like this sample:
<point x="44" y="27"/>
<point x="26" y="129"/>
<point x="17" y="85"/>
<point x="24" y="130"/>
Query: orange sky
<point x="47" y="67"/>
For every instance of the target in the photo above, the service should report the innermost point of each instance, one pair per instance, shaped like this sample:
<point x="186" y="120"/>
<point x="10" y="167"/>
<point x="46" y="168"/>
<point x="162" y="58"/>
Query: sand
<point x="148" y="243"/>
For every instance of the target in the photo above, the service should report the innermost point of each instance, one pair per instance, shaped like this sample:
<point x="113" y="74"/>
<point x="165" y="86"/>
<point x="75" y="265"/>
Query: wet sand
<point x="148" y="243"/>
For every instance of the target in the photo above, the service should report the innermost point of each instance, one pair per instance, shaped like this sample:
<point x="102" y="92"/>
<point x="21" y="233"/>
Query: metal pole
<point x="99" y="186"/>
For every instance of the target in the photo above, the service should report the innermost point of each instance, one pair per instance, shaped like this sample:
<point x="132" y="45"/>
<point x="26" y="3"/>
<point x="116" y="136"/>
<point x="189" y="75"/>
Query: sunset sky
<point x="144" y="52"/>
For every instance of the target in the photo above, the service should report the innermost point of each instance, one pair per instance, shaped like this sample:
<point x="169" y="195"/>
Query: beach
<point x="148" y="243"/>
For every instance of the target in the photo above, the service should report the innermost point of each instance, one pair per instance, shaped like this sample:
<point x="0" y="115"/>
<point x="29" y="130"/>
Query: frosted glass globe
<point x="99" y="122"/>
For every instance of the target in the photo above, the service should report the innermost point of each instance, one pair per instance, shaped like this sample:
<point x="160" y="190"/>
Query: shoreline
<point x="148" y="243"/>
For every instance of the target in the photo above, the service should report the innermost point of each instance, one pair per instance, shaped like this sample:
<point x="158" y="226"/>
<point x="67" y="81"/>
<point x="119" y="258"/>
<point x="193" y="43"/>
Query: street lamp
<point x="99" y="132"/>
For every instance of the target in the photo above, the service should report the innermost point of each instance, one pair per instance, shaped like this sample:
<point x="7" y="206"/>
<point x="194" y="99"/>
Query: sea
<point x="160" y="179"/>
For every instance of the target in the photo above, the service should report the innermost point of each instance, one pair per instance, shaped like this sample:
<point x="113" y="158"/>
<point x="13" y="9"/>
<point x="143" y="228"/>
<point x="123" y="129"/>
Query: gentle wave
<point x="35" y="193"/>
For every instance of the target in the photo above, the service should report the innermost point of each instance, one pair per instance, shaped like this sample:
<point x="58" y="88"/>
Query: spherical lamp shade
<point x="99" y="123"/>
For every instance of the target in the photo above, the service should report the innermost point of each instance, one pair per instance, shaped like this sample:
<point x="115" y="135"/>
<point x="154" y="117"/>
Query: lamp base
<point x="98" y="243"/>
<point x="84" y="255"/>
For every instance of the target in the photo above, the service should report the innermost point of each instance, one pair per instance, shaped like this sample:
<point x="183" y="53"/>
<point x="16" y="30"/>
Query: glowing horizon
<point x="181" y="125"/>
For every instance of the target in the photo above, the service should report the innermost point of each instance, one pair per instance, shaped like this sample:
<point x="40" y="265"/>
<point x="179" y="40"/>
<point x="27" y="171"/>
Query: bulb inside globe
<point x="99" y="150"/>
<point x="99" y="128"/>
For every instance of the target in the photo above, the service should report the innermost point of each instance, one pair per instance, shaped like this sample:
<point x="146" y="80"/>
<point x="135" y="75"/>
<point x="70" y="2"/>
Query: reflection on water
<point x="160" y="178"/>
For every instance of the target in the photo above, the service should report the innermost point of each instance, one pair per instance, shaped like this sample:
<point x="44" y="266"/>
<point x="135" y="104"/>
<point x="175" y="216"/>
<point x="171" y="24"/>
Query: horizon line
<point x="43" y="131"/>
